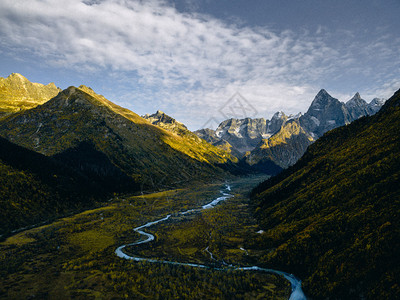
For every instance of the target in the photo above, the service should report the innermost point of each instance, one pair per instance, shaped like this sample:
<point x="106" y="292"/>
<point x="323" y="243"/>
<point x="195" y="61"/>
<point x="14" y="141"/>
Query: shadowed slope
<point x="333" y="218"/>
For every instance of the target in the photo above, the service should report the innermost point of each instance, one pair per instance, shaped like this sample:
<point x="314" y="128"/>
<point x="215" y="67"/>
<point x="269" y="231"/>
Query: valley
<point x="74" y="256"/>
<point x="181" y="149"/>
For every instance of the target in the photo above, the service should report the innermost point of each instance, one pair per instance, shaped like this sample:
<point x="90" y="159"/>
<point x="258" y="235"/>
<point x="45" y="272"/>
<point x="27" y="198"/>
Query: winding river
<point x="297" y="292"/>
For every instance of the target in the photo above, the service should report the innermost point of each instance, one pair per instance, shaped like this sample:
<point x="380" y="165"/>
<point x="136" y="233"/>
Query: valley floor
<point x="75" y="257"/>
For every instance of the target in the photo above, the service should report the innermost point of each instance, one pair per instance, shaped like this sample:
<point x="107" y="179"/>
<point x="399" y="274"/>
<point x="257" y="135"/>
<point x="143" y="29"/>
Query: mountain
<point x="242" y="135"/>
<point x="168" y="123"/>
<point x="36" y="188"/>
<point x="333" y="217"/>
<point x="79" y="120"/>
<point x="357" y="107"/>
<point x="284" y="148"/>
<point x="325" y="113"/>
<point x="375" y="105"/>
<point x="209" y="136"/>
<point x="18" y="93"/>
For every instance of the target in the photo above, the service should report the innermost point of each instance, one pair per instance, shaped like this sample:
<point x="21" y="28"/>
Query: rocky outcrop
<point x="357" y="107"/>
<point x="164" y="121"/>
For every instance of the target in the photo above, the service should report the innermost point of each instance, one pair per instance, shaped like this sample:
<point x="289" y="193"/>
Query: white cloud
<point x="171" y="54"/>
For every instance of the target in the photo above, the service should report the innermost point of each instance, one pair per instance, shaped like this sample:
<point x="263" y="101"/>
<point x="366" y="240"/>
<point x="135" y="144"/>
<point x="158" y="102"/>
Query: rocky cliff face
<point x="18" y="93"/>
<point x="243" y="135"/>
<point x="357" y="107"/>
<point x="375" y="105"/>
<point x="324" y="114"/>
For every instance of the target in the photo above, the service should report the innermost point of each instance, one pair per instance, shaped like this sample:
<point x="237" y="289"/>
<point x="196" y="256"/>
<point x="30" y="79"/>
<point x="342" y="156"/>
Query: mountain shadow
<point x="87" y="160"/>
<point x="36" y="188"/>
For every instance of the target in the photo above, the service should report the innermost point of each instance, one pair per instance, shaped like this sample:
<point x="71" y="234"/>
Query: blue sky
<point x="188" y="58"/>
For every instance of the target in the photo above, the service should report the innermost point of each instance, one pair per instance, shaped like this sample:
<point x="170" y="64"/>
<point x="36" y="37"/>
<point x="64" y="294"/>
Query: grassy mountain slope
<point x="146" y="153"/>
<point x="35" y="188"/>
<point x="18" y="93"/>
<point x="333" y="218"/>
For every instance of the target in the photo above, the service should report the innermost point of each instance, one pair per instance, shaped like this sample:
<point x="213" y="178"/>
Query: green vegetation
<point x="74" y="257"/>
<point x="36" y="188"/>
<point x="332" y="219"/>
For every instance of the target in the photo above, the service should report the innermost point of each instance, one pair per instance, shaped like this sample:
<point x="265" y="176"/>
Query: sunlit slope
<point x="333" y="218"/>
<point x="145" y="152"/>
<point x="18" y="93"/>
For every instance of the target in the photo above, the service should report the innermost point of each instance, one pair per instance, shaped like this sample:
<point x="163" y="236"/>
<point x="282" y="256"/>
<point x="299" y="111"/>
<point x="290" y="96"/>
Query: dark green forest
<point x="36" y="188"/>
<point x="333" y="218"/>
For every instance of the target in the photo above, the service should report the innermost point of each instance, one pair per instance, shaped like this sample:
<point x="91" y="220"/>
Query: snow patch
<point x="315" y="120"/>
<point x="331" y="122"/>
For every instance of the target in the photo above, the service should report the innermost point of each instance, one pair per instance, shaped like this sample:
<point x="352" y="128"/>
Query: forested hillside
<point x="333" y="218"/>
<point x="36" y="188"/>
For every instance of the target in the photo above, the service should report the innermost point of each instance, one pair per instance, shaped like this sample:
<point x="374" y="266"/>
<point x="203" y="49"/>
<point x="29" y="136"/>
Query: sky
<point x="206" y="60"/>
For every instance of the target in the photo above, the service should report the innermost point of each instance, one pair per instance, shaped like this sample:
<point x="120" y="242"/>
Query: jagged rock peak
<point x="69" y="91"/>
<point x="279" y="115"/>
<point x="356" y="100"/>
<point x="322" y="94"/>
<point x="357" y="96"/>
<point x="321" y="99"/>
<point x="377" y="101"/>
<point x="84" y="87"/>
<point x="17" y="76"/>
<point x="161" y="117"/>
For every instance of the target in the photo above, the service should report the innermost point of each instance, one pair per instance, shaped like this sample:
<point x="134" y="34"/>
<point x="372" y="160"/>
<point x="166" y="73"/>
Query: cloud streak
<point x="186" y="60"/>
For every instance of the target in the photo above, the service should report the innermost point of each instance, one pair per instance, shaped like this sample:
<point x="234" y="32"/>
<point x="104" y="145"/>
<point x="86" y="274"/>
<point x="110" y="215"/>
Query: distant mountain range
<point x="333" y="217"/>
<point x="284" y="139"/>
